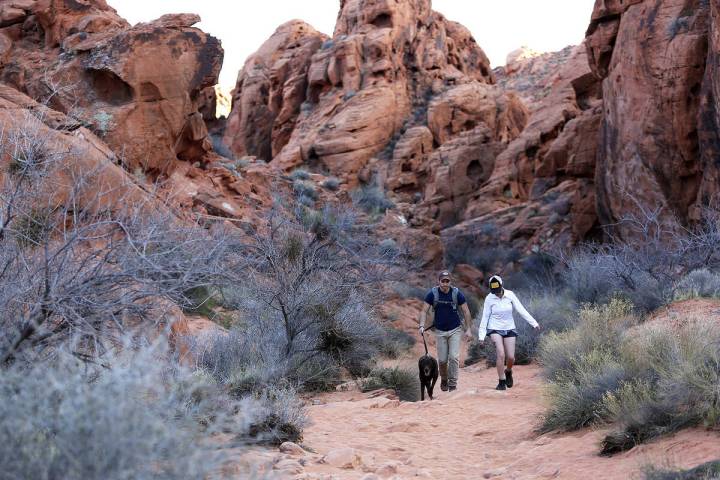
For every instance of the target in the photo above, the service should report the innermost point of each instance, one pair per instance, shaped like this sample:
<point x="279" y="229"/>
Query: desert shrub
<point x="583" y="365"/>
<point x="306" y="299"/>
<point x="372" y="199"/>
<point x="305" y="189"/>
<point x="134" y="417"/>
<point x="220" y="148"/>
<point x="405" y="383"/>
<point x="577" y="394"/>
<point x="281" y="416"/>
<point x="646" y="270"/>
<point x="395" y="342"/>
<point x="597" y="328"/>
<point x="676" y="374"/>
<point x="537" y="272"/>
<point x="332" y="184"/>
<point x="698" y="283"/>
<point x="706" y="471"/>
<point x="464" y="249"/>
<point x="300" y="174"/>
<point x="405" y="290"/>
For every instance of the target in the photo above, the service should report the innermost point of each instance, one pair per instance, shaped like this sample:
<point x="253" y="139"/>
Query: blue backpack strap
<point x="455" y="291"/>
<point x="436" y="296"/>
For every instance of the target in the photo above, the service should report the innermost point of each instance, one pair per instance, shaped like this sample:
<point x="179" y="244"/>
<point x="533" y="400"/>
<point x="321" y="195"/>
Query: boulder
<point x="138" y="88"/>
<point x="346" y="458"/>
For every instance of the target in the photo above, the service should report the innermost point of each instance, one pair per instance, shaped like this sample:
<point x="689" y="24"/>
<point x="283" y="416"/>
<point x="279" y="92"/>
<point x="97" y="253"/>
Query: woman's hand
<point x="468" y="334"/>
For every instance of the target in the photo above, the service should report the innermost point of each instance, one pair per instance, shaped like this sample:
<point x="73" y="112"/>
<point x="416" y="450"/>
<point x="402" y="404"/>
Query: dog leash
<point x="423" y="337"/>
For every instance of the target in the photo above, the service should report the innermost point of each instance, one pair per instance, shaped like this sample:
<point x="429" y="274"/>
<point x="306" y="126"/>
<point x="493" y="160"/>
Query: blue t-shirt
<point x="446" y="318"/>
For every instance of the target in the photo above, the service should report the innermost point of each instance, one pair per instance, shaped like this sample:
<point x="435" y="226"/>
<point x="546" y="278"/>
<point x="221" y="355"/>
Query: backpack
<point x="436" y="297"/>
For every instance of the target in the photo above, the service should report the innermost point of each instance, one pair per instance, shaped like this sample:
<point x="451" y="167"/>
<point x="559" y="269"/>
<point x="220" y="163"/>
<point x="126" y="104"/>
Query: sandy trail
<point x="477" y="432"/>
<point x="472" y="433"/>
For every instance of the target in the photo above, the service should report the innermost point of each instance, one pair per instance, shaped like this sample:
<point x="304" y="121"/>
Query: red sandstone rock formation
<point x="532" y="74"/>
<point x="658" y="62"/>
<point x="136" y="87"/>
<point x="540" y="195"/>
<point x="366" y="87"/>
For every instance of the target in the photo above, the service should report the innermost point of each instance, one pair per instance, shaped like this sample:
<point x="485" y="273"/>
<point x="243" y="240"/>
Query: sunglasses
<point x="445" y="280"/>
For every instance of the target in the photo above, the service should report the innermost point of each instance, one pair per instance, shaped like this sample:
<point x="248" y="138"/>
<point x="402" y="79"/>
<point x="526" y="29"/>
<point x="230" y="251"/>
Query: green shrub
<point x="372" y="200"/>
<point x="698" y="283"/>
<point x="706" y="471"/>
<point x="583" y="365"/>
<point x="332" y="184"/>
<point x="32" y="229"/>
<point x="395" y="342"/>
<point x="677" y="384"/>
<point x="300" y="174"/>
<point x="576" y="397"/>
<point x="304" y="189"/>
<point x="405" y="382"/>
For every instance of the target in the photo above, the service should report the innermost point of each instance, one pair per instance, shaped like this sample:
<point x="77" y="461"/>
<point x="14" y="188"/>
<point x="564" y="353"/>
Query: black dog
<point x="428" y="367"/>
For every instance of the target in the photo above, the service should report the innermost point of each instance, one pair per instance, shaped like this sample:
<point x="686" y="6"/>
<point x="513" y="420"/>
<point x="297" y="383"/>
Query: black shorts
<point x="503" y="333"/>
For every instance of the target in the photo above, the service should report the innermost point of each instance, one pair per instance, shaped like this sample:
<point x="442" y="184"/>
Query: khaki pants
<point x="448" y="352"/>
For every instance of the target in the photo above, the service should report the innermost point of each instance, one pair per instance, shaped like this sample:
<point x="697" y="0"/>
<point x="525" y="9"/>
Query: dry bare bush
<point x="647" y="268"/>
<point x="307" y="295"/>
<point x="85" y="254"/>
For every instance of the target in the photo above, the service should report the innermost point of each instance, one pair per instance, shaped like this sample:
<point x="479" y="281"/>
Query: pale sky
<point x="499" y="26"/>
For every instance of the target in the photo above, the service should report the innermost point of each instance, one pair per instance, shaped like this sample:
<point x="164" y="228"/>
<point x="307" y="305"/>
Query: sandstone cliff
<point x="658" y="62"/>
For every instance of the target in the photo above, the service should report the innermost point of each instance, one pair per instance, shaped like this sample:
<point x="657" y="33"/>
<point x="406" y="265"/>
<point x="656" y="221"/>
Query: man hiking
<point x="446" y="302"/>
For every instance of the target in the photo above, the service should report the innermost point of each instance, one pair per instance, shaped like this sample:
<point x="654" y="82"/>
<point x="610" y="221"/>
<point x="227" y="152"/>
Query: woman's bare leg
<point x="499" y="355"/>
<point x="509" y="344"/>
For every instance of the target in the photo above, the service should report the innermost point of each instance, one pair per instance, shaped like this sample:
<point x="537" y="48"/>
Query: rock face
<point x="532" y="74"/>
<point x="337" y="104"/>
<point x="270" y="89"/>
<point x="540" y="195"/>
<point x="138" y="88"/>
<point x="658" y="62"/>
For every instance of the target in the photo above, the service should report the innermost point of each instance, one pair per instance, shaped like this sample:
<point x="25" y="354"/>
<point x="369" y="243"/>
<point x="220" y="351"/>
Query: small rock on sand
<point x="289" y="466"/>
<point x="292" y="448"/>
<point x="347" y="458"/>
<point x="387" y="470"/>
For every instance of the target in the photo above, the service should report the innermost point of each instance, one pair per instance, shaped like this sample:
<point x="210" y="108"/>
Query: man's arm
<point x="466" y="316"/>
<point x="423" y="317"/>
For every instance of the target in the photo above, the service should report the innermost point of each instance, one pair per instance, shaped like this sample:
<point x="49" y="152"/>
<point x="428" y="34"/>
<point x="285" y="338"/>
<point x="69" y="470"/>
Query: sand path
<point x="475" y="432"/>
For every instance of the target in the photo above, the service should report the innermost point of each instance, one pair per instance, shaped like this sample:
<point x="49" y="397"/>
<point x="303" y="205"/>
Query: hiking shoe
<point x="443" y="385"/>
<point x="509" y="379"/>
<point x="501" y="385"/>
<point x="452" y="388"/>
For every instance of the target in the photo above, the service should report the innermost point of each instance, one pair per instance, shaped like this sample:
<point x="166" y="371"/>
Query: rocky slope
<point x="143" y="91"/>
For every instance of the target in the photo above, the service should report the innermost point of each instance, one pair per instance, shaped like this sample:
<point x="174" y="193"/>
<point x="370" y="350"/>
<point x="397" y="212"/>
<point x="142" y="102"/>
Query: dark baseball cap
<point x="444" y="274"/>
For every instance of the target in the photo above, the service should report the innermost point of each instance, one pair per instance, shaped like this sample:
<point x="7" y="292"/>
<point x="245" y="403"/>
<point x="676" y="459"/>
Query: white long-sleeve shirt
<point x="498" y="313"/>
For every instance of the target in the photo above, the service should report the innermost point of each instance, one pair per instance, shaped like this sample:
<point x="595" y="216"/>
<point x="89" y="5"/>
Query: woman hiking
<point x="497" y="321"/>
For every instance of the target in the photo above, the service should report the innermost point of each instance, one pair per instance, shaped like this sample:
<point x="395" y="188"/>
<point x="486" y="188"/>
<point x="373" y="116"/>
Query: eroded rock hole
<point x="475" y="171"/>
<point x="110" y="88"/>
<point x="383" y="20"/>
